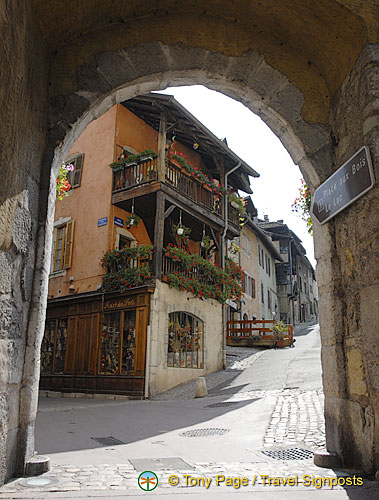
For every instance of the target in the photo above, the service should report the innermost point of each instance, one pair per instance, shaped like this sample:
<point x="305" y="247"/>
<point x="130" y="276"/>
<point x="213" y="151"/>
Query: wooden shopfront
<point x="96" y="344"/>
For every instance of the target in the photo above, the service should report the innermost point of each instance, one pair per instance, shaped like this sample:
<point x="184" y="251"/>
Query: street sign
<point x="102" y="222"/>
<point x="119" y="222"/>
<point x="346" y="185"/>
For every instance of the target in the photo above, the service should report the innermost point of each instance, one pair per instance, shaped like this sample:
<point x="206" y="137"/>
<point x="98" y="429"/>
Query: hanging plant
<point x="234" y="249"/>
<point x="237" y="202"/>
<point x="206" y="242"/>
<point x="63" y="186"/>
<point x="132" y="220"/>
<point x="302" y="206"/>
<point x="182" y="231"/>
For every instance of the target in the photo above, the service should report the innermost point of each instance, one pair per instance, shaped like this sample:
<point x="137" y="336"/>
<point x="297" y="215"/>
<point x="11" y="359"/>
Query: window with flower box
<point x="185" y="341"/>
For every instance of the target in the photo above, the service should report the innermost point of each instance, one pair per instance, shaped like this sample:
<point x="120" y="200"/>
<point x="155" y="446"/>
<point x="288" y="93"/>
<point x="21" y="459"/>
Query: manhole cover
<point x="290" y="454"/>
<point x="107" y="441"/>
<point x="35" y="482"/>
<point x="213" y="431"/>
<point x="223" y="403"/>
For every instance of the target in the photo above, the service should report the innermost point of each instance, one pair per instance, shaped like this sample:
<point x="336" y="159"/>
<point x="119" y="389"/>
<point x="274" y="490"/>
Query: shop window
<point x="75" y="176"/>
<point x="62" y="246"/>
<point x="185" y="341"/>
<point x="117" y="343"/>
<point x="53" y="350"/>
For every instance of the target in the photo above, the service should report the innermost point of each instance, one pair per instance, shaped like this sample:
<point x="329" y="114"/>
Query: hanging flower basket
<point x="132" y="220"/>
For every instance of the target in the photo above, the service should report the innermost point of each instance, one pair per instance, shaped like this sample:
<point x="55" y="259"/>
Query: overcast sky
<point x="250" y="138"/>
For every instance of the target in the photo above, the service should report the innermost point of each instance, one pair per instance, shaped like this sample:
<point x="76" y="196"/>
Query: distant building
<point x="295" y="276"/>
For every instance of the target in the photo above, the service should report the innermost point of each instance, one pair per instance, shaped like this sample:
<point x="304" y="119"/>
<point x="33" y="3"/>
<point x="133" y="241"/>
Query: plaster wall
<point x="269" y="283"/>
<point x="164" y="301"/>
<point x="249" y="264"/>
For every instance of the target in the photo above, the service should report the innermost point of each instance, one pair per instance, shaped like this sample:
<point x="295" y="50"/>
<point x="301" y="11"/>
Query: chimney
<point x="266" y="218"/>
<point x="281" y="221"/>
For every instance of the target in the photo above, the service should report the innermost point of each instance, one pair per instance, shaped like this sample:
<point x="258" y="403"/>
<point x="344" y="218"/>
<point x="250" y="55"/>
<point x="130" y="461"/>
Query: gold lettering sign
<point x="118" y="303"/>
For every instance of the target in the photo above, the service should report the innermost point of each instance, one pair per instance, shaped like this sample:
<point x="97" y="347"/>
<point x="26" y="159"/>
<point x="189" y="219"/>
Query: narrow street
<point x="268" y="400"/>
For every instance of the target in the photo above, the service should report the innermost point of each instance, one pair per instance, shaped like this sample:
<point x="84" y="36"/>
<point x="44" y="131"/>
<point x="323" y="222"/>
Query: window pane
<point x="110" y="344"/>
<point x="59" y="248"/>
<point x="128" y="342"/>
<point x="60" y="346"/>
<point x="185" y="341"/>
<point x="47" y="348"/>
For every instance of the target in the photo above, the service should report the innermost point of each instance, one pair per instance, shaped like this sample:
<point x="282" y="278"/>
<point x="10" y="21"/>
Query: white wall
<point x="164" y="301"/>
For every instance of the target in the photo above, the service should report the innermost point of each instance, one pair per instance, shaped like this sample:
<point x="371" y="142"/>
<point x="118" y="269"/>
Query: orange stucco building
<point x="126" y="326"/>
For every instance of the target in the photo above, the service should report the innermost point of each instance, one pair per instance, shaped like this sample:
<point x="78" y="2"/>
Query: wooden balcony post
<point x="159" y="233"/>
<point x="162" y="139"/>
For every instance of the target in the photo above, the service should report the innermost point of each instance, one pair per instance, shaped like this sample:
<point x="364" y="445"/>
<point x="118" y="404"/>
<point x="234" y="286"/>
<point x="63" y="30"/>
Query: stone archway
<point x="312" y="104"/>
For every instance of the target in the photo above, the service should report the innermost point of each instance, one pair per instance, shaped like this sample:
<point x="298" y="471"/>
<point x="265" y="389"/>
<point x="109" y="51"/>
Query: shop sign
<point x="119" y="303"/>
<point x="102" y="222"/>
<point x="119" y="222"/>
<point x="347" y="184"/>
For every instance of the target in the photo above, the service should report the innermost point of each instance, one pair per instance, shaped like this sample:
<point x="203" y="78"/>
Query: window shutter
<point x="77" y="173"/>
<point x="68" y="245"/>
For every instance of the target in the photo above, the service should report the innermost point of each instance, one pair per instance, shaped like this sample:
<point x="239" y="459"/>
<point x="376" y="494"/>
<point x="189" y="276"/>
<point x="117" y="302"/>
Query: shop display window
<point x="185" y="341"/>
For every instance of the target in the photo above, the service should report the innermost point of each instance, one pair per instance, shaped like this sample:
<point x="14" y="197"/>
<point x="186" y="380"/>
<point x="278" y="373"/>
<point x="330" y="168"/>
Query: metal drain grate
<point x="224" y="403"/>
<point x="107" y="441"/>
<point x="290" y="454"/>
<point x="213" y="431"/>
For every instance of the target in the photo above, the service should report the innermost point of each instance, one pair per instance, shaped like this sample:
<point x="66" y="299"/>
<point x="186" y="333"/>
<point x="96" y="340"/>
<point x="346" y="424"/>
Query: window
<point x="259" y="255"/>
<point x="248" y="285"/>
<point x="62" y="246"/>
<point x="268" y="299"/>
<point x="123" y="242"/>
<point x="75" y="176"/>
<point x="262" y="294"/>
<point x="53" y="349"/>
<point x="185" y="341"/>
<point x="117" y="343"/>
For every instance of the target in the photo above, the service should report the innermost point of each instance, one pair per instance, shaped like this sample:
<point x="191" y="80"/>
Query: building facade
<point x="295" y="276"/>
<point x="138" y="276"/>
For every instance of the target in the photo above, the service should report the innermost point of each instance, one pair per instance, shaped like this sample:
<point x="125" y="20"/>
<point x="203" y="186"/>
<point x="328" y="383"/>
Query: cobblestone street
<point x="267" y="401"/>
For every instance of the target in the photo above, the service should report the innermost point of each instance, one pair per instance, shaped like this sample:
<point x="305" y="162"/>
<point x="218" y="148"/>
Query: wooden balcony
<point x="138" y="179"/>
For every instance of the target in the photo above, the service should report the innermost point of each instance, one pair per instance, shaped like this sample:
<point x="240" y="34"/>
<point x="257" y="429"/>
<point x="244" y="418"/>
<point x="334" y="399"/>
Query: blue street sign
<point x="119" y="222"/>
<point x="102" y="222"/>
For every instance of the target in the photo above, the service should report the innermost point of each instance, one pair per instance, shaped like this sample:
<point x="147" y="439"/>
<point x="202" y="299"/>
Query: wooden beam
<point x="134" y="192"/>
<point x="215" y="239"/>
<point x="169" y="211"/>
<point x="159" y="233"/>
<point x="162" y="146"/>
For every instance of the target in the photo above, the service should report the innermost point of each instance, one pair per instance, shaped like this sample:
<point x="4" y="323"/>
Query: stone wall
<point x="348" y="269"/>
<point x="23" y="125"/>
<point x="164" y="301"/>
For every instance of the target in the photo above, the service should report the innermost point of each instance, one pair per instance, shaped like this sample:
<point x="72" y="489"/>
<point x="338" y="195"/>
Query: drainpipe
<point x="147" y="365"/>
<point x="223" y="255"/>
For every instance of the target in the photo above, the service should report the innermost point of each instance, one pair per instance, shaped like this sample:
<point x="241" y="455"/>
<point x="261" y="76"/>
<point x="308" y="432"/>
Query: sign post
<point x="347" y="184"/>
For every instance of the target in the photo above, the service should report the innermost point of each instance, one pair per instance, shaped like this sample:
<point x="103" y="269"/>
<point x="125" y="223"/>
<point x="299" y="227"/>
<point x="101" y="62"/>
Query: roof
<point x="189" y="130"/>
<point x="265" y="239"/>
<point x="279" y="230"/>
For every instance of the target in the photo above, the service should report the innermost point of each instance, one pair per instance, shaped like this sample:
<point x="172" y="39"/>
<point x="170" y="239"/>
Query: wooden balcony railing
<point x="194" y="189"/>
<point x="136" y="174"/>
<point x="171" y="266"/>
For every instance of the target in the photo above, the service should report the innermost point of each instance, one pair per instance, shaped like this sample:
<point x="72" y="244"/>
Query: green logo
<point x="148" y="480"/>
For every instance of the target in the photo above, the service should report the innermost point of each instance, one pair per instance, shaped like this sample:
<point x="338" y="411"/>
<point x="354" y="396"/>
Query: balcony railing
<point x="146" y="171"/>
<point x="171" y="266"/>
<point x="135" y="174"/>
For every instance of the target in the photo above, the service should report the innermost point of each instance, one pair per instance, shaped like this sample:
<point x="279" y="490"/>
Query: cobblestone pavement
<point x="298" y="418"/>
<point x="124" y="477"/>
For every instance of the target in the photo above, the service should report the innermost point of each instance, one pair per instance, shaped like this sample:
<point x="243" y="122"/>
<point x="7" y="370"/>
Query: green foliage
<point x="203" y="279"/>
<point x="302" y="206"/>
<point x="126" y="268"/>
<point x="132" y="220"/>
<point x="133" y="158"/>
<point x="279" y="330"/>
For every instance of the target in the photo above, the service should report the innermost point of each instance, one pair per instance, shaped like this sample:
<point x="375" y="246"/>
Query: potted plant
<point x="279" y="329"/>
<point x="206" y="242"/>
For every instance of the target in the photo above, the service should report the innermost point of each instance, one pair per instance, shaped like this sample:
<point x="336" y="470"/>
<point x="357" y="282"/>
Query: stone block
<point x="116" y="67"/>
<point x="326" y="459"/>
<point x="22" y="226"/>
<point x="201" y="387"/>
<point x="288" y="102"/>
<point x="91" y="80"/>
<point x="54" y="394"/>
<point x="6" y="273"/>
<point x="267" y="81"/>
<point x="147" y="59"/>
<point x="37" y="465"/>
<point x="355" y="372"/>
